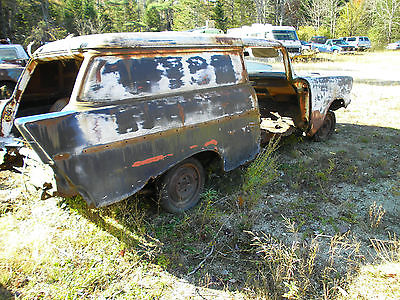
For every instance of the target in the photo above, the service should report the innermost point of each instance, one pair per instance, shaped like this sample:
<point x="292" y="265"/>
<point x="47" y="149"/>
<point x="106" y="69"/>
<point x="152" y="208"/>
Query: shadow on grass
<point x="5" y="294"/>
<point x="209" y="245"/>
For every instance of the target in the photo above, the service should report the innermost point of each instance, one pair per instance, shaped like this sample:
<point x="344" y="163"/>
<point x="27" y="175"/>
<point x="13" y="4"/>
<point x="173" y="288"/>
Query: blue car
<point x="332" y="45"/>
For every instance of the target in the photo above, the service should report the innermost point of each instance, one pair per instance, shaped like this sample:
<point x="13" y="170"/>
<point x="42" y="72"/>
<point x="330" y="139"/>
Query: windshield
<point x="284" y="35"/>
<point x="339" y="42"/>
<point x="257" y="67"/>
<point x="8" y="54"/>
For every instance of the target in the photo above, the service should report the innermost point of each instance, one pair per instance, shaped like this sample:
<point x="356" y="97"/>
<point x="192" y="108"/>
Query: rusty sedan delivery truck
<point x="111" y="112"/>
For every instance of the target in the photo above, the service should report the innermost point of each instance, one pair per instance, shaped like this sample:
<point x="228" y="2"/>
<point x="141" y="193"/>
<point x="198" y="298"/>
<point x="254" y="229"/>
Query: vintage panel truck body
<point x="112" y="112"/>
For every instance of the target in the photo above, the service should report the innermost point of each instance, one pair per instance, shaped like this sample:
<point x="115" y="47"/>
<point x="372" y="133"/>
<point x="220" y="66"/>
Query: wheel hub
<point x="185" y="186"/>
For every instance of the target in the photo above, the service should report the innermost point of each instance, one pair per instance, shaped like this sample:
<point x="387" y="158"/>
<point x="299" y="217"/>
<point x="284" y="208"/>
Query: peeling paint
<point x="212" y="142"/>
<point x="150" y="160"/>
<point x="323" y="91"/>
<point x="113" y="78"/>
<point x="326" y="89"/>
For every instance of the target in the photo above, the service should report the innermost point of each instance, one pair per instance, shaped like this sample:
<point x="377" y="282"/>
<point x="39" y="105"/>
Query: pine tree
<point x="219" y="16"/>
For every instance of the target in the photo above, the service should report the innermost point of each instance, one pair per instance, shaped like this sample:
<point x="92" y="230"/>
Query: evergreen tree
<point x="189" y="14"/>
<point x="219" y="16"/>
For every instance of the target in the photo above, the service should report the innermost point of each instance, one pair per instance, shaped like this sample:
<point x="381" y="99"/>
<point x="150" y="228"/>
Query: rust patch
<point x="181" y="113"/>
<point x="226" y="40"/>
<point x="8" y="111"/>
<point x="18" y="94"/>
<point x="212" y="142"/>
<point x="61" y="156"/>
<point x="317" y="119"/>
<point x="31" y="67"/>
<point x="150" y="160"/>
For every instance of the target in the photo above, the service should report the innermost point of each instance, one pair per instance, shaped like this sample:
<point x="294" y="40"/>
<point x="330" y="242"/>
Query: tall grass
<point x="259" y="173"/>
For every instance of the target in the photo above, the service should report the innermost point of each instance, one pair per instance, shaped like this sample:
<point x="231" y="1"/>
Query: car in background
<point x="207" y="30"/>
<point x="305" y="46"/>
<point x="393" y="46"/>
<point x="360" y="43"/>
<point x="13" y="59"/>
<point x="332" y="45"/>
<point x="318" y="39"/>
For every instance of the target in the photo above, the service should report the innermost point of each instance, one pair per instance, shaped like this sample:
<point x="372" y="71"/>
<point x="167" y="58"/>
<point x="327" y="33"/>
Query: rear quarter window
<point x="112" y="78"/>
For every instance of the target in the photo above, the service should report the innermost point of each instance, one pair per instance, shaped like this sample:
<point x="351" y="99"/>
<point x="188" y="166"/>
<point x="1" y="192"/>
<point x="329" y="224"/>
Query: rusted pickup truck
<point x="112" y="112"/>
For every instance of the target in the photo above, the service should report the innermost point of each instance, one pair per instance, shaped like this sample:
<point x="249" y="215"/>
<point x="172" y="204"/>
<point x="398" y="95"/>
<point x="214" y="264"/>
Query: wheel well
<point x="210" y="159"/>
<point x="336" y="104"/>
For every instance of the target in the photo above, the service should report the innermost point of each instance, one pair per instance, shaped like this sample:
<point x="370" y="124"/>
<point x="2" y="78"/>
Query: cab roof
<point x="71" y="46"/>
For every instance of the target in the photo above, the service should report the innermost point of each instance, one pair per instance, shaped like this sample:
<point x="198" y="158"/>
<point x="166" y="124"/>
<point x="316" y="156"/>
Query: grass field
<point x="307" y="221"/>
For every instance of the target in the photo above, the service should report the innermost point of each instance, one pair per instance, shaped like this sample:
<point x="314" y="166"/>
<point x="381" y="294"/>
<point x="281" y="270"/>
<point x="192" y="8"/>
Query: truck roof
<point x="71" y="46"/>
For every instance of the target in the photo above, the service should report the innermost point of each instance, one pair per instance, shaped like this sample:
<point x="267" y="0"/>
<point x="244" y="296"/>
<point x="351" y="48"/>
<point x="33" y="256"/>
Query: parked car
<point x="205" y="29"/>
<point x="393" y="46"/>
<point x="332" y="45"/>
<point x="13" y="58"/>
<point x="318" y="39"/>
<point x="112" y="112"/>
<point x="305" y="46"/>
<point x="360" y="43"/>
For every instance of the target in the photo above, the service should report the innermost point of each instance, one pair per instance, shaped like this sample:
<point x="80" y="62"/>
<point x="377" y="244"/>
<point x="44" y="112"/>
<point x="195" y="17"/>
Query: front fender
<point x="324" y="90"/>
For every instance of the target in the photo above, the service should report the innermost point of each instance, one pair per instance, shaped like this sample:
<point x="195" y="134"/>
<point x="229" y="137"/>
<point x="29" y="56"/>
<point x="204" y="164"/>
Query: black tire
<point x="327" y="128"/>
<point x="181" y="186"/>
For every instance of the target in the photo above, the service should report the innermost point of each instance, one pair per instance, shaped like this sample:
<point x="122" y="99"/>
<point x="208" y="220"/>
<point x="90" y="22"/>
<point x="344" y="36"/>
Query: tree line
<point x="40" y="21"/>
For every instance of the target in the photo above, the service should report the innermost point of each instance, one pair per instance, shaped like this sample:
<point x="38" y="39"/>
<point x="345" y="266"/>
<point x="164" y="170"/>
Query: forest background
<point x="40" y="21"/>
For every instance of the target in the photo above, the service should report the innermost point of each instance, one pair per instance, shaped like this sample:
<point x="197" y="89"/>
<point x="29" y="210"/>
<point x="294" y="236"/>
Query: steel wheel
<point x="327" y="128"/>
<point x="182" y="185"/>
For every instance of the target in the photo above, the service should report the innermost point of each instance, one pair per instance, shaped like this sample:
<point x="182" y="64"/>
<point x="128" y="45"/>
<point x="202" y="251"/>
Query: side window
<point x="112" y="78"/>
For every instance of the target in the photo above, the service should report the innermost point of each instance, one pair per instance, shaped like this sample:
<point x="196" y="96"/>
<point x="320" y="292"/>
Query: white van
<point x="360" y="43"/>
<point x="286" y="35"/>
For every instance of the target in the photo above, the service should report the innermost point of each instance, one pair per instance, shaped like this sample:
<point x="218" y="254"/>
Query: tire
<point x="181" y="186"/>
<point x="327" y="128"/>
